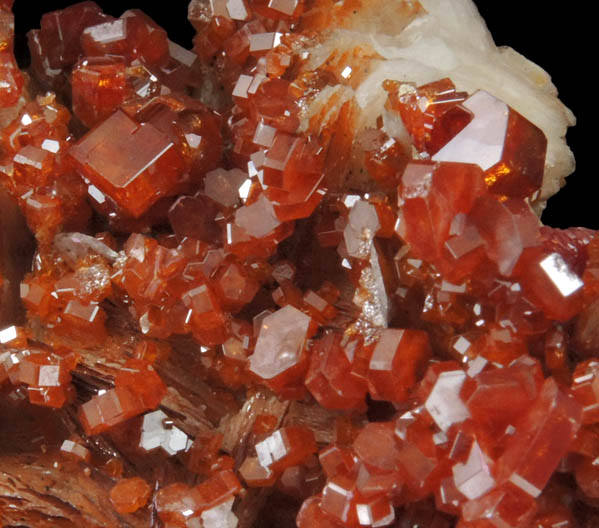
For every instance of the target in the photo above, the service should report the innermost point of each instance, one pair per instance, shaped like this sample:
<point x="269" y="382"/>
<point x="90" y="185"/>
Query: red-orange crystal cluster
<point x="231" y="329"/>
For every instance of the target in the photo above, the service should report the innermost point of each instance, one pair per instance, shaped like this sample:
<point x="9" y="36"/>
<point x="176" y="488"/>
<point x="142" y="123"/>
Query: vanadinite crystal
<point x="292" y="276"/>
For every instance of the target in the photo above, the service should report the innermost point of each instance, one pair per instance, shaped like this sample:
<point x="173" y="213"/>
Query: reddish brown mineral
<point x="134" y="182"/>
<point x="247" y="307"/>
<point x="129" y="495"/>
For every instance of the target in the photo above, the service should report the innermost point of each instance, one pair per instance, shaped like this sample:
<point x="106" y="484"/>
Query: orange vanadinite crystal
<point x="204" y="453"/>
<point x="12" y="79"/>
<point x="286" y="447"/>
<point x="61" y="30"/>
<point x="422" y="108"/>
<point x="255" y="475"/>
<point x="235" y="287"/>
<point x="14" y="337"/>
<point x="502" y="135"/>
<point x="541" y="439"/>
<point x="330" y="378"/>
<point x="138" y="388"/>
<point x="129" y="495"/>
<point x="133" y="35"/>
<point x="75" y="451"/>
<point x="135" y="164"/>
<point x="361" y="312"/>
<point x="141" y="378"/>
<point x="193" y="127"/>
<point x="179" y="504"/>
<point x="99" y="87"/>
<point x="47" y="374"/>
<point x="312" y="515"/>
<point x="85" y="320"/>
<point x="497" y="398"/>
<point x="108" y="409"/>
<point x="434" y="195"/>
<point x="396" y="362"/>
<point x="585" y="388"/>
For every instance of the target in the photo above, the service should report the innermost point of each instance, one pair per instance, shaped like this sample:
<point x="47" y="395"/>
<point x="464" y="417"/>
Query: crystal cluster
<point x="249" y="300"/>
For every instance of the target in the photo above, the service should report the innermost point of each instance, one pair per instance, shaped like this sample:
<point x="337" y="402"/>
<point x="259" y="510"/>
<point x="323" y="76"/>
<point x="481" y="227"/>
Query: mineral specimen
<point x="293" y="276"/>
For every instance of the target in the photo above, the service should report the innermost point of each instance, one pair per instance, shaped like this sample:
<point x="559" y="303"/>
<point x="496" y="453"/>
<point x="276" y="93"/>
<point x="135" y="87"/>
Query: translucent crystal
<point x="395" y="363"/>
<point x="495" y="140"/>
<point x="444" y="402"/>
<point x="541" y="439"/>
<point x="134" y="164"/>
<point x="280" y="342"/>
<point x="129" y="495"/>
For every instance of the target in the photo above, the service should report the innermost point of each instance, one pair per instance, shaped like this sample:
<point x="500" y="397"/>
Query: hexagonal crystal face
<point x="281" y="340"/>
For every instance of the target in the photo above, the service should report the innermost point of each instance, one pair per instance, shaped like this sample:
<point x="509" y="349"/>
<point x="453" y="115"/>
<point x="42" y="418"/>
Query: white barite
<point x="358" y="236"/>
<point x="372" y="299"/>
<point x="427" y="40"/>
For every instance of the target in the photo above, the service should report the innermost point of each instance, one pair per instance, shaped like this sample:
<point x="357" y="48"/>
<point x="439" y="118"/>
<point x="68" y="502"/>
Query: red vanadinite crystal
<point x="241" y="281"/>
<point x="99" y="87"/>
<point x="138" y="388"/>
<point x="396" y="362"/>
<point x="133" y="164"/>
<point x="129" y="495"/>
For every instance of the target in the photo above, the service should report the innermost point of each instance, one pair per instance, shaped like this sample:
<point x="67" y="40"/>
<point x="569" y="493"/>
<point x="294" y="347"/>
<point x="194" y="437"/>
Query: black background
<point x="557" y="38"/>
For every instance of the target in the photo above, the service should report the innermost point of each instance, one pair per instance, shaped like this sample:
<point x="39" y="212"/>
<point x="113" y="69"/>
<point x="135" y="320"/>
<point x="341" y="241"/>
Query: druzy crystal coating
<point x="250" y="302"/>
